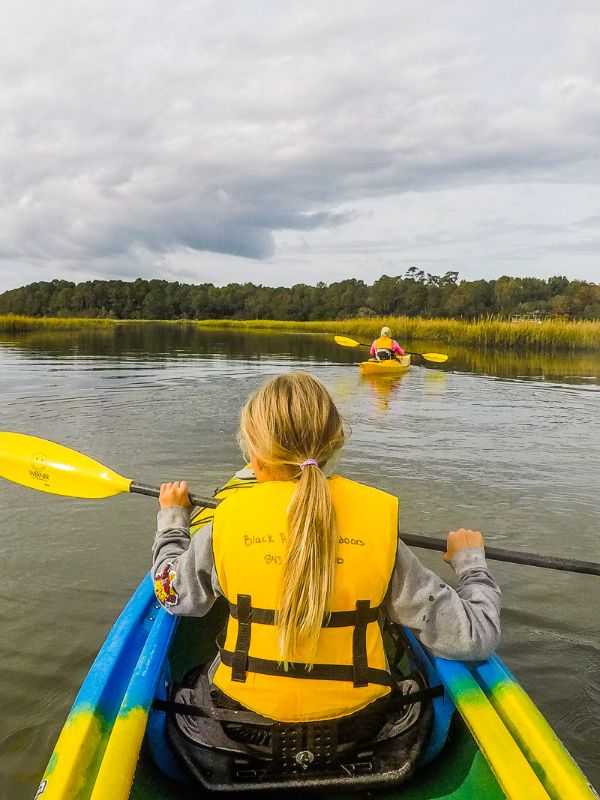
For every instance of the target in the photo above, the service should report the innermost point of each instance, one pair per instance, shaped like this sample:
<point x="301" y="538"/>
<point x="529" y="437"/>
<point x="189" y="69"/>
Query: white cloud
<point x="217" y="139"/>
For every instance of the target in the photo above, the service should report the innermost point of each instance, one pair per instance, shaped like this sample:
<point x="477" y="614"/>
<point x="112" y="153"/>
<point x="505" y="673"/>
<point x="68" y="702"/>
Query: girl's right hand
<point x="460" y="540"/>
<point x="174" y="494"/>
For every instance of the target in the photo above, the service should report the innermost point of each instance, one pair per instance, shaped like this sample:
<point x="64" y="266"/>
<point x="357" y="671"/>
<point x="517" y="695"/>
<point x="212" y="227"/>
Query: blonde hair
<point x="385" y="331"/>
<point x="289" y="420"/>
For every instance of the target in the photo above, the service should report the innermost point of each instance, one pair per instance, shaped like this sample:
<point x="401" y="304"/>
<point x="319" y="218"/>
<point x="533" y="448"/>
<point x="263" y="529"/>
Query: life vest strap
<point x="399" y="701"/>
<point x="239" y="663"/>
<point x="243" y="716"/>
<point x="359" y="672"/>
<point x="335" y="619"/>
<point x="360" y="662"/>
<point x="322" y="672"/>
<point x="238" y="717"/>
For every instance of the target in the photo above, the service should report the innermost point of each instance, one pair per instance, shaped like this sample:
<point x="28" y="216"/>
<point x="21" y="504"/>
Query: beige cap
<point x="385" y="331"/>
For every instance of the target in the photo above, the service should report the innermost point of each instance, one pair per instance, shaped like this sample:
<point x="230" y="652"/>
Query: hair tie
<point x="310" y="462"/>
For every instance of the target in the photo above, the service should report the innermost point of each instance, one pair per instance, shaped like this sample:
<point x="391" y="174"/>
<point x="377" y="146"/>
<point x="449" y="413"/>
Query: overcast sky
<point x="285" y="142"/>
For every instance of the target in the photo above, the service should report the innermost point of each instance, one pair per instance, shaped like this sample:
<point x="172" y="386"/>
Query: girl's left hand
<point x="174" y="494"/>
<point x="461" y="540"/>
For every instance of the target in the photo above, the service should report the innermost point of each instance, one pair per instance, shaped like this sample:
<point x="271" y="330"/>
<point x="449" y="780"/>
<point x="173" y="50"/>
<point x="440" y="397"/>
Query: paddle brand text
<point x="38" y="467"/>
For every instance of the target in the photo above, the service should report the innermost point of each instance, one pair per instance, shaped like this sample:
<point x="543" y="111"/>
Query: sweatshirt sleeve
<point x="397" y="349"/>
<point x="183" y="568"/>
<point x="459" y="624"/>
<point x="372" y="350"/>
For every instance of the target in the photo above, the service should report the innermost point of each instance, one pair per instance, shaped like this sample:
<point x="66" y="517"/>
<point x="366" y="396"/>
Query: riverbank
<point x="546" y="336"/>
<point x="16" y="323"/>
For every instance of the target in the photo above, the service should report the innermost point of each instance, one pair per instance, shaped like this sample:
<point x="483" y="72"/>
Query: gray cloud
<point x="133" y="133"/>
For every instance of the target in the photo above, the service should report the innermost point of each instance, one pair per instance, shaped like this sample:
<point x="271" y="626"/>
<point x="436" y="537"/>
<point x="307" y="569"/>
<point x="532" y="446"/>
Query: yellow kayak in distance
<point x="396" y="366"/>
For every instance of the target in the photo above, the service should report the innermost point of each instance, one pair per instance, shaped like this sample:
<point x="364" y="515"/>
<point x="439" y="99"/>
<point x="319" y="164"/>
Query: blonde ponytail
<point x="308" y="569"/>
<point x="289" y="420"/>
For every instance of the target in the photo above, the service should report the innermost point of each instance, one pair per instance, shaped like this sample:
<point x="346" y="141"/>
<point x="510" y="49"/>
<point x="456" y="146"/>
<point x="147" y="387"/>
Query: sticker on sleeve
<point x="163" y="586"/>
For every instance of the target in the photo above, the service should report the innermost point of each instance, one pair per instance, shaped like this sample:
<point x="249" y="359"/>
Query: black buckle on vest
<point x="242" y="646"/>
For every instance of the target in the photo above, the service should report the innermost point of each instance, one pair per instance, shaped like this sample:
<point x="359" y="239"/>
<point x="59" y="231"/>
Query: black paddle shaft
<point x="432" y="543"/>
<point x="512" y="556"/>
<point x="153" y="491"/>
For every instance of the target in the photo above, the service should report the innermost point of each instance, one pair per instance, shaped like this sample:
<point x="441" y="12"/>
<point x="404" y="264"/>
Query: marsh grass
<point x="552" y="334"/>
<point x="14" y="323"/>
<point x="548" y="335"/>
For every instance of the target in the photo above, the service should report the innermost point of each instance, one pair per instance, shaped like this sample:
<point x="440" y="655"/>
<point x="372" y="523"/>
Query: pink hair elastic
<point x="310" y="462"/>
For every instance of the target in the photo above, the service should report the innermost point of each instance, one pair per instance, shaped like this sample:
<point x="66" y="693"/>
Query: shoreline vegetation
<point x="20" y="323"/>
<point x="490" y="333"/>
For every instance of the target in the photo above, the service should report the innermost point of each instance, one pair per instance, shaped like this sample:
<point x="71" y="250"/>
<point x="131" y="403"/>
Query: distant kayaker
<point x="384" y="347"/>
<point x="310" y="566"/>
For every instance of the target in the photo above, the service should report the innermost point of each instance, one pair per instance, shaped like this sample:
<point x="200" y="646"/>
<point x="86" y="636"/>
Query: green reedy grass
<point x="16" y="323"/>
<point x="548" y="335"/>
<point x="551" y="334"/>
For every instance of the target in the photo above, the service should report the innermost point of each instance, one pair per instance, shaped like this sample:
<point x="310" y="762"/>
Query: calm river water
<point x="505" y="444"/>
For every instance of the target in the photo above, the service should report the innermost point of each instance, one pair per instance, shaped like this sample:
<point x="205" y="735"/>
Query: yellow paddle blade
<point x="438" y="357"/>
<point x="346" y="342"/>
<point x="49" y="467"/>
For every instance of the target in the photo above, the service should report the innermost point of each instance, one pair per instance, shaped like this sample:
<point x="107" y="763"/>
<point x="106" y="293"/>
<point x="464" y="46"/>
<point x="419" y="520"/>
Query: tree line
<point x="416" y="293"/>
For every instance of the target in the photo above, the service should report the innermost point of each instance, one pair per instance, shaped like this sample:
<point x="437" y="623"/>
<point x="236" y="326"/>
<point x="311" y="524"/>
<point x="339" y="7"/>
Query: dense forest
<point x="413" y="294"/>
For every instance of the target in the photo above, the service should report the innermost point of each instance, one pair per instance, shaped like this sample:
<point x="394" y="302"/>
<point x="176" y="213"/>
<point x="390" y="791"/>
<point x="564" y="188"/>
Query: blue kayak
<point x="487" y="738"/>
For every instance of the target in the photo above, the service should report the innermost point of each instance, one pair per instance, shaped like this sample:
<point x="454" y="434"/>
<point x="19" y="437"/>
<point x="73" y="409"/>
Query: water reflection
<point x="434" y="382"/>
<point x="172" y="341"/>
<point x="344" y="388"/>
<point x="384" y="389"/>
<point x="562" y="367"/>
<point x="157" y="342"/>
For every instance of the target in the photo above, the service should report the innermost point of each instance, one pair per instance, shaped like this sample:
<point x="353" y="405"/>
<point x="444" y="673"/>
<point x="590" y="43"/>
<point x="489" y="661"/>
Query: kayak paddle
<point x="55" y="469"/>
<point x="344" y="341"/>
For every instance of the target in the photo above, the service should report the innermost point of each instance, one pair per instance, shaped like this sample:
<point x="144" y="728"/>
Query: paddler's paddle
<point x="344" y="341"/>
<point x="53" y="468"/>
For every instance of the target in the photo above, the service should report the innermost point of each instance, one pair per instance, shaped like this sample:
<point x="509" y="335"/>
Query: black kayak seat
<point x="196" y="740"/>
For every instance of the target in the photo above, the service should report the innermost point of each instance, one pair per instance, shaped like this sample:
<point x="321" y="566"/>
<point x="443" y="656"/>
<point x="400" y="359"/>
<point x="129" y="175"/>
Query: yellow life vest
<point x="384" y="343"/>
<point x="350" y="668"/>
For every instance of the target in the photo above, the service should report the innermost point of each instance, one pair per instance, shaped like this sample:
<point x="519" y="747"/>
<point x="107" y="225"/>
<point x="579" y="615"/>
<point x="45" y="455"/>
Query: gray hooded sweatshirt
<point x="461" y="623"/>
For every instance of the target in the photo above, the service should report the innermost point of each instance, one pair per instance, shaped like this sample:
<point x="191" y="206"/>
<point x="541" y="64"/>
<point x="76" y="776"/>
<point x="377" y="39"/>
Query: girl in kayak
<point x="309" y="566"/>
<point x="384" y="347"/>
